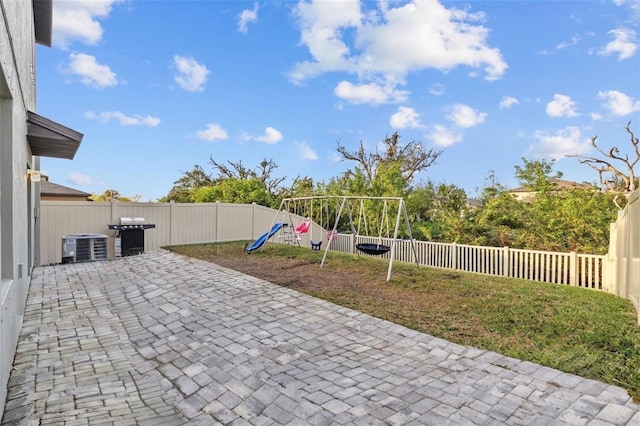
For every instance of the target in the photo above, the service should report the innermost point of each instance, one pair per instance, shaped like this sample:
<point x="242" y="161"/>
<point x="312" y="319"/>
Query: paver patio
<point x="164" y="339"/>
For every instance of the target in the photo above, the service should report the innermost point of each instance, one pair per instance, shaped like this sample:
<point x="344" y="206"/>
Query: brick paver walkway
<point x="164" y="339"/>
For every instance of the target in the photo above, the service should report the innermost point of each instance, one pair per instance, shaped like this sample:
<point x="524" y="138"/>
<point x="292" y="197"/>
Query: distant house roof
<point x="525" y="193"/>
<point x="559" y="185"/>
<point x="55" y="190"/>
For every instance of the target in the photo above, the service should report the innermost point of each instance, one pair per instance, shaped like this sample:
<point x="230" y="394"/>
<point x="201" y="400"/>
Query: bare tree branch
<point x="616" y="171"/>
<point x="367" y="161"/>
<point x="239" y="171"/>
<point x="412" y="158"/>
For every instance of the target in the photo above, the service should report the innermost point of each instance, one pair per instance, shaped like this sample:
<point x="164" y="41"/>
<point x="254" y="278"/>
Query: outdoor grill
<point x="130" y="236"/>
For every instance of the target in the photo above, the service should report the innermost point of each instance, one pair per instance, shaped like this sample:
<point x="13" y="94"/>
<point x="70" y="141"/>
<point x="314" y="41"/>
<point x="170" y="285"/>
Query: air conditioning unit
<point x="84" y="247"/>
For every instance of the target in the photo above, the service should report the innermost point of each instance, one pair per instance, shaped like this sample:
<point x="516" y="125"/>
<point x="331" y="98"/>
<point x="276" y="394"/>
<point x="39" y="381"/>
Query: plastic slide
<point x="263" y="238"/>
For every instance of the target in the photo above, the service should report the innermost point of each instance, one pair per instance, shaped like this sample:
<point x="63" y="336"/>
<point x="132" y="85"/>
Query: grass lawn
<point x="579" y="331"/>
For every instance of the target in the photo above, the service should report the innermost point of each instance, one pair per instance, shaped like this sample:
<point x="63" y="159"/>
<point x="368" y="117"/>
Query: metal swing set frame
<point x="345" y="204"/>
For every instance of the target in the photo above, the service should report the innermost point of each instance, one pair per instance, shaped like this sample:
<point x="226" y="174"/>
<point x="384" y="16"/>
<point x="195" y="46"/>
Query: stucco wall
<point x="17" y="95"/>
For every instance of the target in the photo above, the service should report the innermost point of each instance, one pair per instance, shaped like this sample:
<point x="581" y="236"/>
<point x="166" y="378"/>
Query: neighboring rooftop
<point x="526" y="192"/>
<point x="559" y="184"/>
<point x="53" y="191"/>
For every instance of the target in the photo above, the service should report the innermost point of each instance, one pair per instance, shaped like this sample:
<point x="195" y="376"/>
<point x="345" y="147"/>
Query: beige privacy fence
<point x="177" y="223"/>
<point x="623" y="261"/>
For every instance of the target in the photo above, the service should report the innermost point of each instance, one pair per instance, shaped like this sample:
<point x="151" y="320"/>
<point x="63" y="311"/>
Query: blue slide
<point x="263" y="239"/>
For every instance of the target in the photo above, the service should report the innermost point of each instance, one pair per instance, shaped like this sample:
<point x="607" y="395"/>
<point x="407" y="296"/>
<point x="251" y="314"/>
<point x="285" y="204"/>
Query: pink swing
<point x="303" y="228"/>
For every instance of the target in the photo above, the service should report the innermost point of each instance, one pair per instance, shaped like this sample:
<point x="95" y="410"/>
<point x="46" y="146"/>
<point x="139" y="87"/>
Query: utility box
<point x="84" y="247"/>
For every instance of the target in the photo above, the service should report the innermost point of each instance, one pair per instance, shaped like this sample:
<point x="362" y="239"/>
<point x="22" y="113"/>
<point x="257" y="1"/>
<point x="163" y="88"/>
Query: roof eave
<point x="50" y="139"/>
<point x="42" y="20"/>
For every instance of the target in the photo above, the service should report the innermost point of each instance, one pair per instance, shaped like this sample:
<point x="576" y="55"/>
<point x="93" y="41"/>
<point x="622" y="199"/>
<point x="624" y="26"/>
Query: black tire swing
<point x="375" y="249"/>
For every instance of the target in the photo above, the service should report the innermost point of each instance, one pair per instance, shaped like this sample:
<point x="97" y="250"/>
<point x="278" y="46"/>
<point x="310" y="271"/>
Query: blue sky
<point x="160" y="86"/>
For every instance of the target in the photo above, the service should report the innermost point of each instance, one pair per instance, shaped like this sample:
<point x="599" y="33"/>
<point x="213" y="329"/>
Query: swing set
<point x="326" y="212"/>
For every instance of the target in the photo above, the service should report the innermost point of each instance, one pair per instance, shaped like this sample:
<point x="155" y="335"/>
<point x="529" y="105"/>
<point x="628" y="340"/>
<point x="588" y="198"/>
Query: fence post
<point x="506" y="267"/>
<point x="573" y="268"/>
<point x="454" y="256"/>
<point x="253" y="220"/>
<point x="217" y="221"/>
<point x="115" y="218"/>
<point x="352" y="243"/>
<point x="171" y="219"/>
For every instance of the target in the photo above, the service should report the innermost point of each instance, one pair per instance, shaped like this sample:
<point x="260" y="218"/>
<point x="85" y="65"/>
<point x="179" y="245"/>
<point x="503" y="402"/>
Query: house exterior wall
<point x="17" y="193"/>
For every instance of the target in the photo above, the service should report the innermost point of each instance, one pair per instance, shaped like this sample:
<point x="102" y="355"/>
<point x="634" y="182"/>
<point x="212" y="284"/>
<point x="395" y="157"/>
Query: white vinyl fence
<point x="176" y="223"/>
<point x="580" y="270"/>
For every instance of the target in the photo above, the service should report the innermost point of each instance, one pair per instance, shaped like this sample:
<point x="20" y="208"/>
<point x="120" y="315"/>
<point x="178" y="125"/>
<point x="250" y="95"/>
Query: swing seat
<point x="373" y="249"/>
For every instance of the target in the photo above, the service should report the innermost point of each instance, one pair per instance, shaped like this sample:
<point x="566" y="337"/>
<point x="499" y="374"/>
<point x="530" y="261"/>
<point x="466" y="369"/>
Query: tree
<point x="537" y="175"/>
<point x="436" y="210"/>
<point x="182" y="190"/>
<point x="615" y="170"/>
<point x="411" y="158"/>
<point x="113" y="195"/>
<point x="237" y="170"/>
<point x="234" y="190"/>
<point x="300" y="187"/>
<point x="234" y="183"/>
<point x="575" y="219"/>
<point x="492" y="187"/>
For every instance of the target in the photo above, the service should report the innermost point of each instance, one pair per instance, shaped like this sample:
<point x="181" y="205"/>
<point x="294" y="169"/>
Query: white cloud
<point x="212" y="132"/>
<point x="124" y="120"/>
<point x="369" y="93"/>
<point x="306" y="152"/>
<point x="563" y="45"/>
<point x="634" y="6"/>
<point x="77" y="178"/>
<point x="390" y="42"/>
<point x="405" y="118"/>
<point x="508" y="101"/>
<point x="271" y="136"/>
<point x="619" y="103"/>
<point x="441" y="136"/>
<point x="91" y="73"/>
<point x="78" y="20"/>
<point x="246" y="17"/>
<point x="321" y="24"/>
<point x="437" y="89"/>
<point x="191" y="76"/>
<point x="563" y="142"/>
<point x="624" y="44"/>
<point x="596" y="116"/>
<point x="245" y="136"/>
<point x="465" y="116"/>
<point x="561" y="106"/>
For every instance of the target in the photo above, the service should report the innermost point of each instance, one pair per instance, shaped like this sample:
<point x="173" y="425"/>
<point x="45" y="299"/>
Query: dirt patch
<point x="298" y="274"/>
